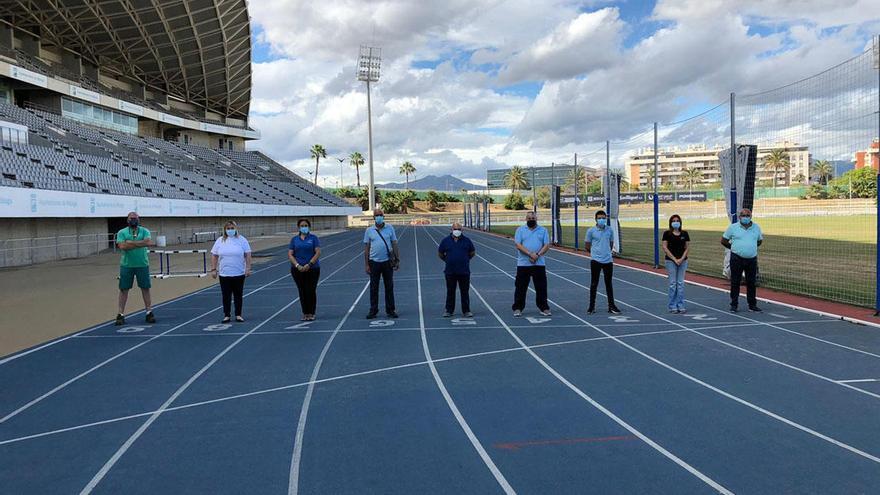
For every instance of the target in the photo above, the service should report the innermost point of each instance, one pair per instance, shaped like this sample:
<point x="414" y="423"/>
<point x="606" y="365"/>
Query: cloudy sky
<point x="474" y="84"/>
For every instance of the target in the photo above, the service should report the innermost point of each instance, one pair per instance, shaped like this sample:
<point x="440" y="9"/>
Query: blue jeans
<point x="676" y="283"/>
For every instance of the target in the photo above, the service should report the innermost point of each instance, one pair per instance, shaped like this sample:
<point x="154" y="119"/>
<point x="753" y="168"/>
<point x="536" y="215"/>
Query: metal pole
<point x="733" y="209"/>
<point x="877" y="245"/>
<point x="607" y="175"/>
<point x="372" y="194"/>
<point x="656" y="205"/>
<point x="534" y="193"/>
<point x="576" y="201"/>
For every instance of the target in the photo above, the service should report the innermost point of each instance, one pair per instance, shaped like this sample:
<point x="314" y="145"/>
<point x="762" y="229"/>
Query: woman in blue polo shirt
<point x="303" y="253"/>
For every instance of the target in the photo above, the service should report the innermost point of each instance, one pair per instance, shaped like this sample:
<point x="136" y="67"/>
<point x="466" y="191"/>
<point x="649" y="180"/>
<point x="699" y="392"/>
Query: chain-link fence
<point x="815" y="188"/>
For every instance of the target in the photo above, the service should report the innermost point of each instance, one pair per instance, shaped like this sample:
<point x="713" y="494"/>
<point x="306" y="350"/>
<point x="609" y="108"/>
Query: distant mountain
<point x="443" y="183"/>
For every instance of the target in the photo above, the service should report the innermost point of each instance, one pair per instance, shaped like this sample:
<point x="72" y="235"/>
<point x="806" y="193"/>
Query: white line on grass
<point x="109" y="360"/>
<point x="140" y="431"/>
<point x="487" y="459"/>
<point x="659" y="448"/>
<point x="716" y="389"/>
<point x="107" y="323"/>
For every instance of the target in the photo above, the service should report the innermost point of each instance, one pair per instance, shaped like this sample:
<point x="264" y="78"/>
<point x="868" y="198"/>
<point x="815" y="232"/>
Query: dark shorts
<point x="127" y="276"/>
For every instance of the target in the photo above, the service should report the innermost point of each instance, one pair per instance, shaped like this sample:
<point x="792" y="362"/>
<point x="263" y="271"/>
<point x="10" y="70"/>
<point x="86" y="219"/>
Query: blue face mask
<point x="745" y="220"/>
<point x="380" y="219"/>
<point x="676" y="225"/>
<point x="304" y="230"/>
<point x="601" y="222"/>
<point x="230" y="232"/>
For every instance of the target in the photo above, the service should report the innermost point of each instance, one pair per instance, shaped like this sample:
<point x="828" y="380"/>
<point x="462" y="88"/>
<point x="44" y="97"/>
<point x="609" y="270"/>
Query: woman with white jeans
<point x="676" y="244"/>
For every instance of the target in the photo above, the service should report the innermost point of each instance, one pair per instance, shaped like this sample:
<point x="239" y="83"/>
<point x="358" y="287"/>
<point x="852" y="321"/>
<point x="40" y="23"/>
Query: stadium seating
<point x="66" y="155"/>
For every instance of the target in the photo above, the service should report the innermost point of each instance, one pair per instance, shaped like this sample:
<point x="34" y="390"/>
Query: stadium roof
<point x="195" y="50"/>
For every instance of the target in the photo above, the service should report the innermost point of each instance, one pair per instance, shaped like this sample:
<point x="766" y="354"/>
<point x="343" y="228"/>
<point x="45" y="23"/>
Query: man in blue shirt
<point x="743" y="239"/>
<point x="532" y="241"/>
<point x="457" y="250"/>
<point x="382" y="259"/>
<point x="598" y="243"/>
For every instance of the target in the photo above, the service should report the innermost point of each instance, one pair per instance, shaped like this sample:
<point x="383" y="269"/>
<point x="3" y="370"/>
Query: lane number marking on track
<point x="701" y="317"/>
<point x="463" y="321"/>
<point x="623" y="319"/>
<point x="381" y="323"/>
<point x="131" y="329"/>
<point x="303" y="324"/>
<point x="537" y="321"/>
<point x="217" y="327"/>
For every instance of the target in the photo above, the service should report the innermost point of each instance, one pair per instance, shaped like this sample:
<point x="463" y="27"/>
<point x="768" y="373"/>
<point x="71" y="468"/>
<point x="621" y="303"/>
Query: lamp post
<point x="341" y="161"/>
<point x="369" y="63"/>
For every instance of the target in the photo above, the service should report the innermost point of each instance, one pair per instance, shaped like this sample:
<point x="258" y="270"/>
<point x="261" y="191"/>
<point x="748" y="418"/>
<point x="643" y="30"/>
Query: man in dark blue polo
<point x="457" y="250"/>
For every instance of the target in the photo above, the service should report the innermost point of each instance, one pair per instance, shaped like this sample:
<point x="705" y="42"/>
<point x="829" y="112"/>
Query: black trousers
<point x="232" y="287"/>
<point x="538" y="275"/>
<point x="597" y="269"/>
<point x="737" y="266"/>
<point x="383" y="270"/>
<point x="307" y="286"/>
<point x="463" y="282"/>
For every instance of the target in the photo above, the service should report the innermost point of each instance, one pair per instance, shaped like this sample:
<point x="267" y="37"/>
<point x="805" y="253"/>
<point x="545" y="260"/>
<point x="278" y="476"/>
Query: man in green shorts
<point x="133" y="241"/>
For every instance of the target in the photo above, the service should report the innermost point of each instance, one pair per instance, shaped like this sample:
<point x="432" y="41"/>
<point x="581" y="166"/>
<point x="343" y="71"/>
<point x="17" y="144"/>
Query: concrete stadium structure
<point x="115" y="106"/>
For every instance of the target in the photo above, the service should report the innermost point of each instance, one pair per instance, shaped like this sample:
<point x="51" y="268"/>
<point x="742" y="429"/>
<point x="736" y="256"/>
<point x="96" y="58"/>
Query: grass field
<point x="830" y="258"/>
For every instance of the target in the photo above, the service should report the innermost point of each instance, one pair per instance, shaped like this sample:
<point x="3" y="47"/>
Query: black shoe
<point x="120" y="320"/>
<point x="591" y="311"/>
<point x="734" y="309"/>
<point x="150" y="318"/>
<point x="755" y="309"/>
<point x="372" y="315"/>
<point x="392" y="314"/>
<point x="613" y="310"/>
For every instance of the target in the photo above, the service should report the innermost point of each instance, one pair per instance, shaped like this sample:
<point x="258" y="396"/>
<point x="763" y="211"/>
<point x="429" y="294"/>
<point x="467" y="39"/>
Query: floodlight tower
<point x="369" y="62"/>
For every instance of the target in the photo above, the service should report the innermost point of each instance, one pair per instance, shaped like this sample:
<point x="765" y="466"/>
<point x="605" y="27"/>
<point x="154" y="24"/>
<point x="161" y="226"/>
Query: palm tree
<point x="822" y="170"/>
<point x="406" y="169"/>
<point x="691" y="177"/>
<point x="356" y="160"/>
<point x="651" y="174"/>
<point x="515" y="179"/>
<point x="777" y="161"/>
<point x="317" y="152"/>
<point x="579" y="180"/>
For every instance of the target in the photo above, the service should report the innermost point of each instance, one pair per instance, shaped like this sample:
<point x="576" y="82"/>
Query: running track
<point x="644" y="402"/>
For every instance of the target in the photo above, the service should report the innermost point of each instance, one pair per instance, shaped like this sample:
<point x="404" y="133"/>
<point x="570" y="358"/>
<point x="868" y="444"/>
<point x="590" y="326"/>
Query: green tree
<point x="516" y="179"/>
<point x="514" y="201"/>
<point x="822" y="170"/>
<point x="398" y="201"/>
<point x="799" y="178"/>
<point x="691" y="177"/>
<point x="860" y="183"/>
<point x="407" y="169"/>
<point x="317" y="153"/>
<point x="363" y="198"/>
<point x="356" y="160"/>
<point x="543" y="194"/>
<point x="576" y="177"/>
<point x="434" y="201"/>
<point x="777" y="161"/>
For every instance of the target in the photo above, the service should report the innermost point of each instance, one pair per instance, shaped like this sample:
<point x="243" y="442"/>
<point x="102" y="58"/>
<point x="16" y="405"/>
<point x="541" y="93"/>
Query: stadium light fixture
<point x="369" y="63"/>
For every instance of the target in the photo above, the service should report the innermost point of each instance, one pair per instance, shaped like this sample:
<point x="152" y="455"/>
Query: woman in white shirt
<point x="233" y="255"/>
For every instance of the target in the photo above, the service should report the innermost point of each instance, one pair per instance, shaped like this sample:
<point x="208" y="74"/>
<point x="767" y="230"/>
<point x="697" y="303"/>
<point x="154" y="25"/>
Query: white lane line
<point x="296" y="458"/>
<point x="860" y="380"/>
<point x="107" y="323"/>
<point x="109" y="360"/>
<point x="140" y="431"/>
<point x="487" y="459"/>
<point x="331" y="379"/>
<point x="716" y="389"/>
<point x="726" y="343"/>
<point x="659" y="448"/>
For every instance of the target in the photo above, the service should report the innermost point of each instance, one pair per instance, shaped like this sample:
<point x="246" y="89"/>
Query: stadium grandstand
<point x="112" y="106"/>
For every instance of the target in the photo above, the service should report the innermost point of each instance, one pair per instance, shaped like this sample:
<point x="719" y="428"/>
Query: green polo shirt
<point x="137" y="257"/>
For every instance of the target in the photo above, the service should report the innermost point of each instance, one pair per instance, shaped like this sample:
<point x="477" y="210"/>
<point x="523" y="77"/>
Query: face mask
<point x="601" y="222"/>
<point x="380" y="219"/>
<point x="676" y="225"/>
<point x="133" y="222"/>
<point x="304" y="230"/>
<point x="456" y="233"/>
<point x="532" y="223"/>
<point x="745" y="220"/>
<point x="230" y="232"/>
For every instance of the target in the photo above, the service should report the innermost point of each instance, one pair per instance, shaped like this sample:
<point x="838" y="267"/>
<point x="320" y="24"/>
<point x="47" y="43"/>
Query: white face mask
<point x="456" y="233"/>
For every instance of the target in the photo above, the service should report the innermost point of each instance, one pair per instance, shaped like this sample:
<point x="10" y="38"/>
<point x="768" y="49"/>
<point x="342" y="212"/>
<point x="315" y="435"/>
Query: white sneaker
<point x="517" y="313"/>
<point x="546" y="312"/>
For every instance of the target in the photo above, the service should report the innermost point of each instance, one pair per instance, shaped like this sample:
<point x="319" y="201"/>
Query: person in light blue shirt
<point x="598" y="243"/>
<point x="381" y="258"/>
<point x="743" y="239"/>
<point x="532" y="242"/>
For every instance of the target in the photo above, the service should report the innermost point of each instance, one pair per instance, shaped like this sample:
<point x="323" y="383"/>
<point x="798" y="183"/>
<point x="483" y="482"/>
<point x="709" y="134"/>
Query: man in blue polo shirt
<point x="598" y="243"/>
<point x="743" y="239"/>
<point x="532" y="241"/>
<point x="457" y="250"/>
